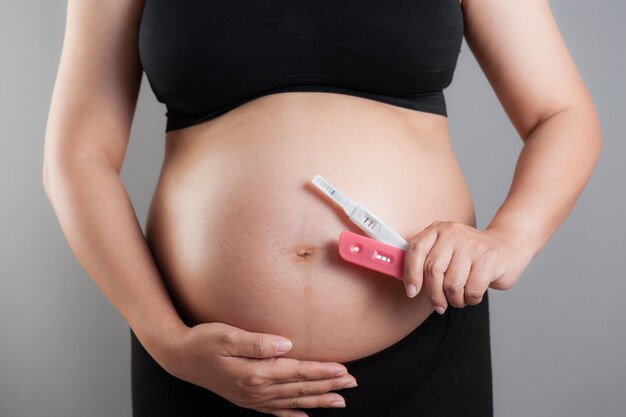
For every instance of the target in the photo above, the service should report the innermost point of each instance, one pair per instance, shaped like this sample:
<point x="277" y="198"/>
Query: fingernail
<point x="282" y="345"/>
<point x="351" y="384"/>
<point x="440" y="309"/>
<point x="411" y="290"/>
<point x="341" y="372"/>
<point x="338" y="403"/>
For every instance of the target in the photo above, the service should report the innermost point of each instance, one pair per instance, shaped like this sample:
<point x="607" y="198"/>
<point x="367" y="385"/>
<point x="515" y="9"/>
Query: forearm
<point x="100" y="225"/>
<point x="554" y="166"/>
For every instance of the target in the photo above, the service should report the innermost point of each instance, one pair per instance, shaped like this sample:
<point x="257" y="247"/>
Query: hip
<point x="441" y="368"/>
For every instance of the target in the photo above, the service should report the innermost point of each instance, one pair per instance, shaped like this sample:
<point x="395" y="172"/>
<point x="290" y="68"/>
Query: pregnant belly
<point x="241" y="236"/>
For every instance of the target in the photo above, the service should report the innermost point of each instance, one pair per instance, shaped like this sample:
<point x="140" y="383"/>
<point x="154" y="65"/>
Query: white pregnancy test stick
<point x="361" y="216"/>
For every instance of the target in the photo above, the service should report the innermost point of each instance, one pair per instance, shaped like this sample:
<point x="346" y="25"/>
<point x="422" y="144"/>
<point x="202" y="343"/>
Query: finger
<point x="414" y="258"/>
<point x="435" y="265"/>
<point x="456" y="276"/>
<point x="478" y="281"/>
<point x="307" y="388"/>
<point x="288" y="413"/>
<point x="242" y="343"/>
<point x="295" y="370"/>
<point x="312" y="401"/>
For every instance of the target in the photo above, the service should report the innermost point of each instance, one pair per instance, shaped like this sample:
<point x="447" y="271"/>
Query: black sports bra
<point x="203" y="58"/>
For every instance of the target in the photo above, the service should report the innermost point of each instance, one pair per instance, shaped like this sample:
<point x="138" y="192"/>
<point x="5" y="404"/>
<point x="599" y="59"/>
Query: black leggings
<point x="442" y="368"/>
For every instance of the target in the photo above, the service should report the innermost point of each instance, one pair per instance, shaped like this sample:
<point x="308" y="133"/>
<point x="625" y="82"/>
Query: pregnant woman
<point x="240" y="249"/>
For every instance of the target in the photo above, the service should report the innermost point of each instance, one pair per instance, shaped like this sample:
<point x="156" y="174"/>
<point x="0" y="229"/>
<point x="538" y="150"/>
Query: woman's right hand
<point x="245" y="368"/>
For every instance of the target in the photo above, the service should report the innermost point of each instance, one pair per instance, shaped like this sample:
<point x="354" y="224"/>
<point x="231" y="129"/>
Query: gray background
<point x="557" y="336"/>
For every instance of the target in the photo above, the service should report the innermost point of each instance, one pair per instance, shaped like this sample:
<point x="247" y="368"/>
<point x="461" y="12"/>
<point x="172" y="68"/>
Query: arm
<point x="520" y="50"/>
<point x="92" y="107"/>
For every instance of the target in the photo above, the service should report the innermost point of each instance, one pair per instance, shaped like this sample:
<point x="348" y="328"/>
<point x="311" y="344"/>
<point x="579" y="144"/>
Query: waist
<point x="242" y="236"/>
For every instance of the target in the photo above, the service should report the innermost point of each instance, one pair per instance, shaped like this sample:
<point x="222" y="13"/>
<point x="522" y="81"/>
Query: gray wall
<point x="557" y="336"/>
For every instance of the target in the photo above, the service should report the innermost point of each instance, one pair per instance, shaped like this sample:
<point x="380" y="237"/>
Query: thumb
<point x="260" y="345"/>
<point x="419" y="247"/>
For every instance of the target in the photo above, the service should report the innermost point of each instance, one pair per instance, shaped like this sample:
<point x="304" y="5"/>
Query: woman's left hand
<point x="456" y="263"/>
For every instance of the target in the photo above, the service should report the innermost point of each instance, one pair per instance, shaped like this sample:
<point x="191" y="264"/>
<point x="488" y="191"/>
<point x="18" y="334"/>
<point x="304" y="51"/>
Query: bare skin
<point x="247" y="247"/>
<point x="237" y="229"/>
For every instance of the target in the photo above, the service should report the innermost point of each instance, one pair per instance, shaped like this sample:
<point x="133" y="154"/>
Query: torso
<point x="241" y="236"/>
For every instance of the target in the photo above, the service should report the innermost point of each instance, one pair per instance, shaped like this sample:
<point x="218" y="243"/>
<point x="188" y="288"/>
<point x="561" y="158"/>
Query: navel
<point x="305" y="253"/>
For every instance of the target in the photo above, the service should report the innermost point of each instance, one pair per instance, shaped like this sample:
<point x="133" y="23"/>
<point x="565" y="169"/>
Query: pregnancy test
<point x="361" y="216"/>
<point x="372" y="254"/>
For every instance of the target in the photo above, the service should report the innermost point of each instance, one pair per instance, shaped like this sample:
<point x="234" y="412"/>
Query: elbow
<point x="591" y="130"/>
<point x="597" y="131"/>
<point x="50" y="172"/>
<point x="45" y="177"/>
<point x="596" y="135"/>
<point x="579" y="121"/>
<point x="47" y="167"/>
<point x="68" y="167"/>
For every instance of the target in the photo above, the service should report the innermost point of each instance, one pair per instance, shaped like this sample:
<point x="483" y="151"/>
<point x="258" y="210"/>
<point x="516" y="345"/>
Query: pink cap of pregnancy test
<point x="370" y="253"/>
